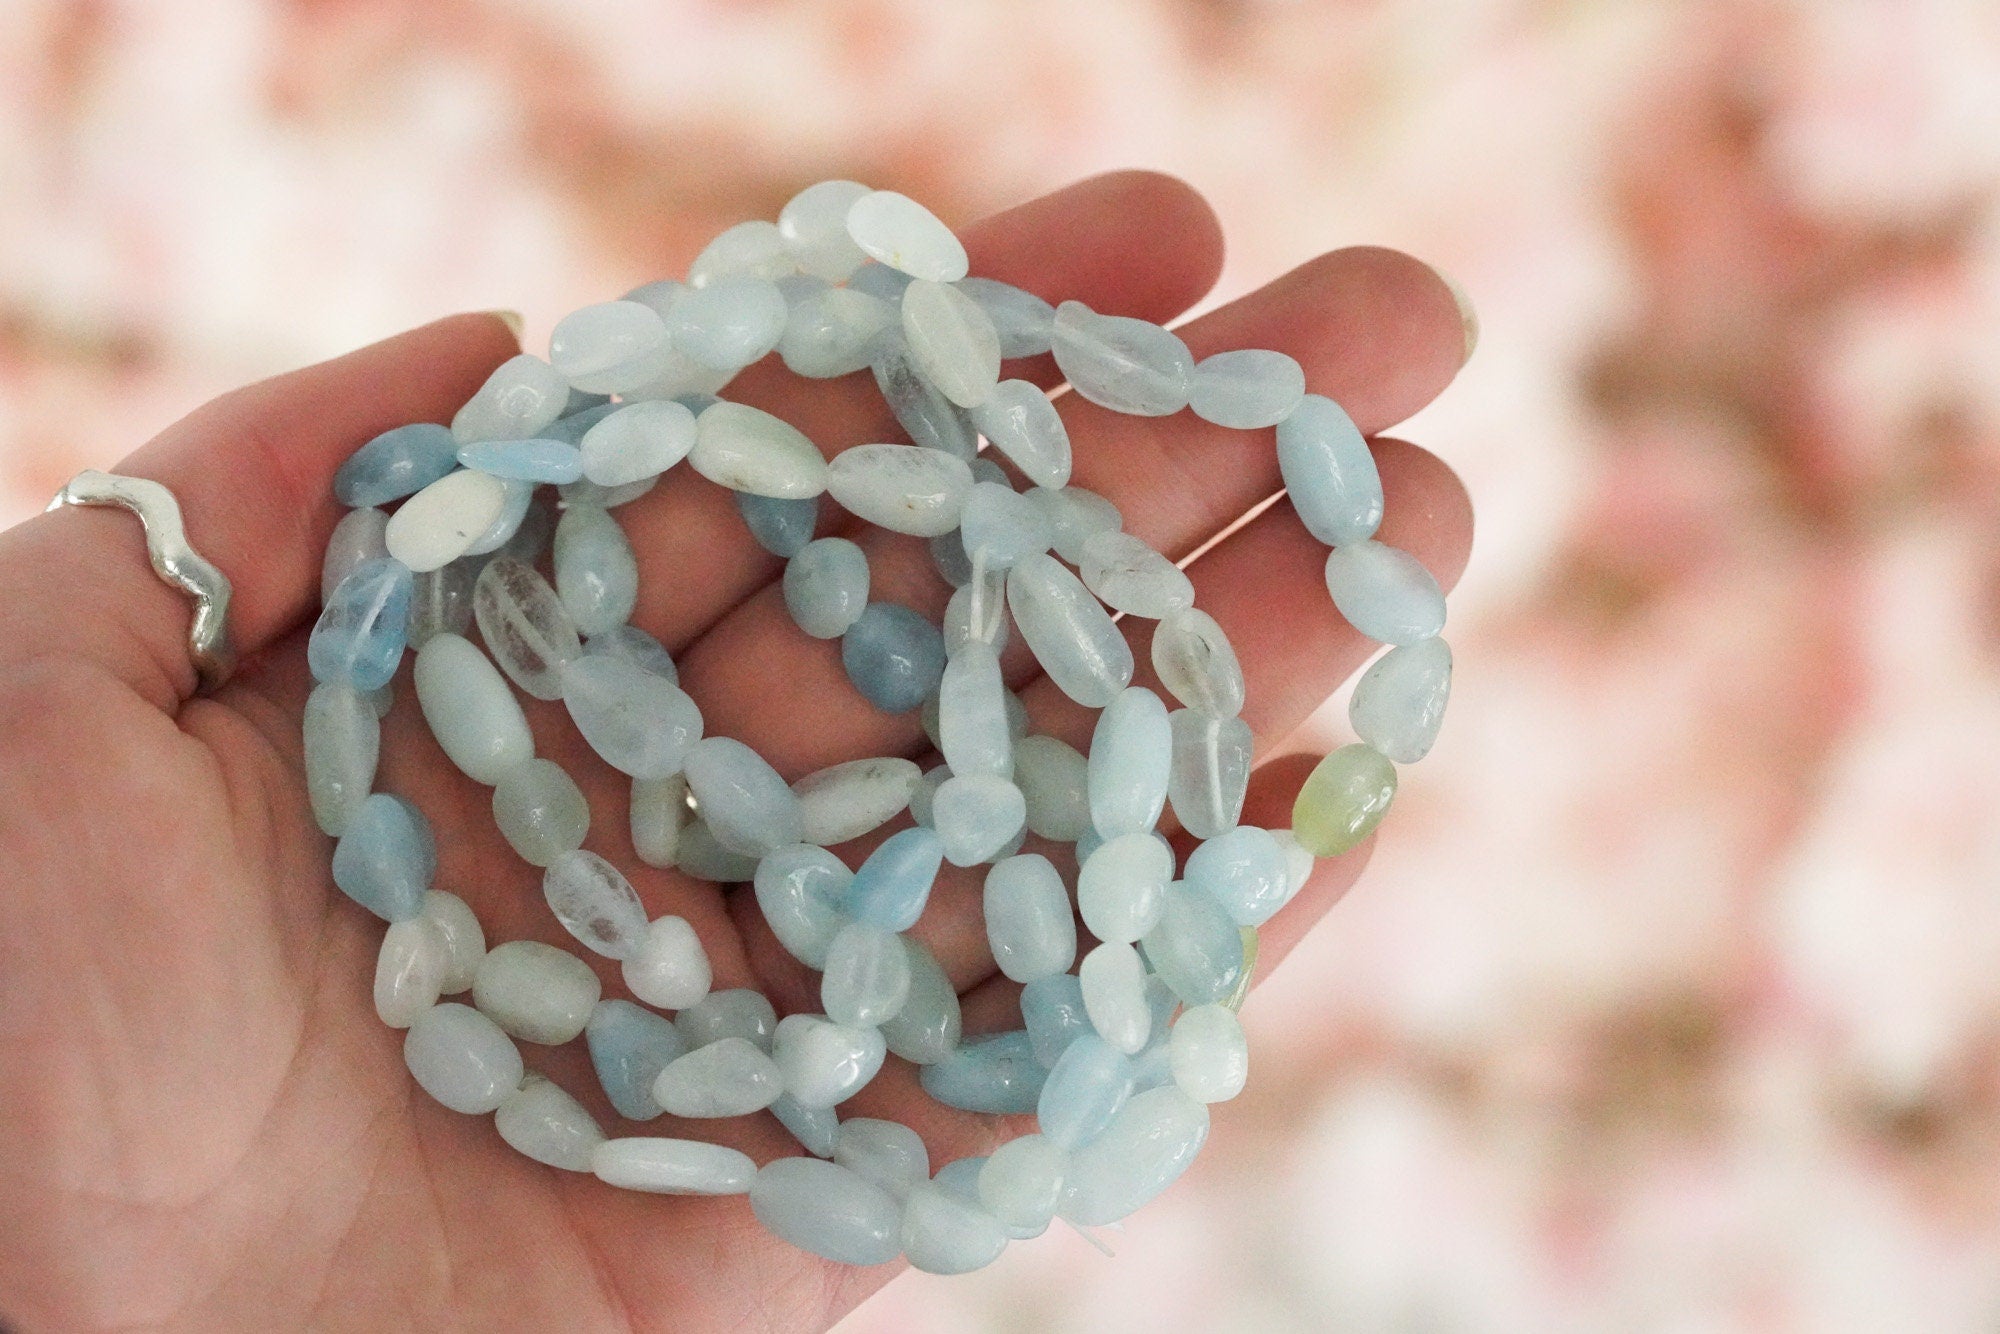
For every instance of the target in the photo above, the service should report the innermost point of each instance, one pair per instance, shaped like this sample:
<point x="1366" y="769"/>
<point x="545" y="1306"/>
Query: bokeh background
<point x="1672" y="998"/>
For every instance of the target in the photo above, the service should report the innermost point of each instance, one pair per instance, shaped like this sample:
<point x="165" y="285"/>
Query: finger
<point x="253" y="472"/>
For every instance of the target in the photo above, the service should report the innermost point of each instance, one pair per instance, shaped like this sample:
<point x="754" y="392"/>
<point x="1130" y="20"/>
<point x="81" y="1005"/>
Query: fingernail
<point x="1466" y="314"/>
<point x="512" y="319"/>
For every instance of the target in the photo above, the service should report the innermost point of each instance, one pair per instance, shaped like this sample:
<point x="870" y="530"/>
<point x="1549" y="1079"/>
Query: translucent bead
<point x="1052" y="776"/>
<point x="595" y="903"/>
<point x="1070" y="633"/>
<point x="729" y="322"/>
<point x="978" y="611"/>
<point x="998" y="1075"/>
<point x="1075" y="516"/>
<point x="670" y="968"/>
<point x="1023" y="321"/>
<point x="734" y="1013"/>
<point x="781" y="527"/>
<point x="343" y="740"/>
<point x="629" y="1046"/>
<point x="628" y="643"/>
<point x="746" y="449"/>
<point x="1114" y="995"/>
<point x="612" y="347"/>
<point x="637" y="723"/>
<point x="658" y="812"/>
<point x="1197" y="664"/>
<point x="1298" y="861"/>
<point x="1211" y="771"/>
<point x="952" y="340"/>
<point x="834" y="332"/>
<point x="827" y="1210"/>
<point x="1028" y="920"/>
<point x="1129" y="576"/>
<point x="848" y="800"/>
<point x="896" y="230"/>
<point x="1127" y="365"/>
<point x="799" y="891"/>
<point x="893" y="656"/>
<point x="441" y="600"/>
<point x="1052" y="1010"/>
<point x="396" y="463"/>
<point x="1021" y="1182"/>
<point x="409" y="971"/>
<point x="359" y="637"/>
<point x="1385" y="592"/>
<point x="727" y="1077"/>
<point x="525" y="625"/>
<point x="464" y="941"/>
<point x="866" y="979"/>
<point x="637" y="441"/>
<point x="744" y="802"/>
<point x="888" y="1153"/>
<point x="1195" y="948"/>
<point x="1245" y="871"/>
<point x="540" y="811"/>
<point x="461" y="1058"/>
<point x="824" y="1063"/>
<point x="540" y="1121"/>
<point x="1131" y="754"/>
<point x="977" y="816"/>
<point x="894" y="883"/>
<point x="517" y="502"/>
<point x="356" y="539"/>
<point x="1122" y="886"/>
<point x="930" y="1023"/>
<point x="535" y="992"/>
<point x="387" y="857"/>
<point x="1143" y="1151"/>
<point x="903" y="488"/>
<point x="826" y="587"/>
<point x="815" y="1128"/>
<point x="1211" y="1059"/>
<point x="470" y="711"/>
<point x="536" y="460"/>
<point x="1088" y="1085"/>
<point x="931" y="419"/>
<point x="1246" y="390"/>
<point x="1398" y="704"/>
<point x="521" y="396"/>
<point x="662" y="1166"/>
<point x="1003" y="526"/>
<point x="1329" y="472"/>
<point x="755" y="247"/>
<point x="813" y="226"/>
<point x="943" y="1233"/>
<point x="1343" y="799"/>
<point x="972" y="714"/>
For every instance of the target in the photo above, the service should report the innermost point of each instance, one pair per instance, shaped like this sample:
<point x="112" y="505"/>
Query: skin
<point x="203" y="1125"/>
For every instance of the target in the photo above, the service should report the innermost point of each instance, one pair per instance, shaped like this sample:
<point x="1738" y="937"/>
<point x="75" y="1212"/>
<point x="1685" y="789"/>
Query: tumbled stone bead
<point x="824" y="1063"/>
<point x="517" y="500"/>
<point x="700" y="856"/>
<point x="1122" y="885"/>
<point x="1143" y="1151"/>
<point x="1329" y="472"/>
<point x="887" y="1153"/>
<point x="1002" y="526"/>
<point x="1075" y="516"/>
<point x="1343" y="799"/>
<point x="867" y="977"/>
<point x="972" y="714"/>
<point x="629" y="1046"/>
<point x="977" y="611"/>
<point x="929" y="1024"/>
<point x="1385" y="592"/>
<point x="536" y="460"/>
<point x="1023" y="321"/>
<point x="474" y="717"/>
<point x="1211" y="771"/>
<point x="1398" y="704"/>
<point x="657" y="812"/>
<point x="441" y="600"/>
<point x="729" y="322"/>
<point x="409" y="971"/>
<point x="834" y="332"/>
<point x="999" y="1075"/>
<point x="749" y="808"/>
<point x="439" y="523"/>
<point x="1244" y="870"/>
<point x="461" y="1058"/>
<point x="525" y="625"/>
<point x="463" y="940"/>
<point x="1127" y="365"/>
<point x="670" y="969"/>
<point x="754" y="247"/>
<point x="737" y="1012"/>
<point x="781" y="527"/>
<point x="1195" y="947"/>
<point x="893" y="656"/>
<point x="1129" y="576"/>
<point x="1210" y="1058"/>
<point x="1131" y="754"/>
<point x="891" y="887"/>
<point x="356" y="540"/>
<point x="343" y="740"/>
<point x="535" y="992"/>
<point x="1197" y="664"/>
<point x="631" y="644"/>
<point x="952" y="341"/>
<point x="1024" y="426"/>
<point x="813" y="226"/>
<point x="799" y="891"/>
<point x="944" y="1233"/>
<point x="1246" y="390"/>
<point x="386" y="859"/>
<point x="896" y="230"/>
<point x="815" y="1128"/>
<point x="826" y="587"/>
<point x="1088" y="1085"/>
<point x="597" y="573"/>
<point x="827" y="1210"/>
<point x="396" y="463"/>
<point x="612" y="347"/>
<point x="1053" y="1014"/>
<point x="903" y="488"/>
<point x="848" y="800"/>
<point x="359" y="637"/>
<point x="663" y="1166"/>
<point x="727" y="1077"/>
<point x="1021" y="1182"/>
<point x="1070" y="633"/>
<point x="521" y="396"/>
<point x="539" y="1120"/>
<point x="932" y="420"/>
<point x="977" y="816"/>
<point x="1052" y="776"/>
<point x="637" y="723"/>
<point x="1028" y="921"/>
<point x="540" y="811"/>
<point x="746" y="449"/>
<point x="636" y="441"/>
<point x="1114" y="995"/>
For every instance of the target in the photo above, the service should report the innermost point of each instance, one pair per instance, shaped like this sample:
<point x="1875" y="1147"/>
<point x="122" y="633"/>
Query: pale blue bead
<point x="1329" y="472"/>
<point x="356" y="539"/>
<point x="396" y="463"/>
<point x="1245" y="870"/>
<point x="782" y="527"/>
<point x="1024" y="425"/>
<point x="1247" y="389"/>
<point x="1195" y="947"/>
<point x="631" y="644"/>
<point x="572" y="426"/>
<point x="699" y="855"/>
<point x="1003" y="525"/>
<point x="1029" y="922"/>
<point x="1385" y="592"/>
<point x="737" y="1012"/>
<point x="960" y="1179"/>
<point x="745" y="803"/>
<point x="637" y="722"/>
<point x="597" y="572"/>
<point x="931" y="419"/>
<point x="800" y="890"/>
<point x="948" y="554"/>
<point x="1399" y="702"/>
<point x="1088" y="1085"/>
<point x="1127" y="365"/>
<point x="387" y="858"/>
<point x="360" y="635"/>
<point x="537" y="460"/>
<point x="892" y="886"/>
<point x="999" y="1075"/>
<point x="343" y="740"/>
<point x="1143" y="1151"/>
<point x="973" y="730"/>
<point x="823" y="1208"/>
<point x="731" y="322"/>
<point x="826" y="587"/>
<point x="1131" y="759"/>
<point x="928" y="1027"/>
<point x="1211" y="773"/>
<point x="1072" y="636"/>
<point x="1052" y="1010"/>
<point x="977" y="817"/>
<point x="520" y="499"/>
<point x="893" y="656"/>
<point x="1023" y="320"/>
<point x="817" y="1129"/>
<point x="629" y="1046"/>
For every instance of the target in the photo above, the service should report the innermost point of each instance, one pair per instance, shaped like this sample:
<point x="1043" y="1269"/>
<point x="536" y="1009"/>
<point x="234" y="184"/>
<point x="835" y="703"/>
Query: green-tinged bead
<point x="1343" y="800"/>
<point x="1241" y="991"/>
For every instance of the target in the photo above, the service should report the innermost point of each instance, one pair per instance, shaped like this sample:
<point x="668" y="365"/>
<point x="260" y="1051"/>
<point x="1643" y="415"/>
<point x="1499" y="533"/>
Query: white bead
<point x="609" y="348"/>
<point x="638" y="441"/>
<point x="671" y="969"/>
<point x="977" y="817"/>
<point x="1003" y="527"/>
<point x="461" y="1058"/>
<point x="1024" y="425"/>
<point x="903" y="234"/>
<point x="904" y="488"/>
<point x="672" y="1166"/>
<point x="1209" y="1055"/>
<point x="435" y="526"/>
<point x="735" y="1013"/>
<point x="729" y="323"/>
<point x="728" y="1077"/>
<point x="755" y="248"/>
<point x="824" y="1063"/>
<point x="797" y="890"/>
<point x="834" y="332"/>
<point x="638" y="723"/>
<point x="746" y="449"/>
<point x="540" y="811"/>
<point x="813" y="225"/>
<point x="542" y="1122"/>
<point x="978" y="611"/>
<point x="1114" y="995"/>
<point x="972" y="714"/>
<point x="343" y="741"/>
<point x="823" y="1208"/>
<point x="535" y="992"/>
<point x="595" y="903"/>
<point x="409" y="971"/>
<point x="357" y="539"/>
<point x="1129" y="576"/>
<point x="1131" y="760"/>
<point x="952" y="340"/>
<point x="463" y="940"/>
<point x="470" y="710"/>
<point x="848" y="800"/>
<point x="928" y="1027"/>
<point x="1211" y="771"/>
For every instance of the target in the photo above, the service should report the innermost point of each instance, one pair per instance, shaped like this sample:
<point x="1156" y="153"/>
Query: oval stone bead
<point x="343" y="740"/>
<point x="748" y="807"/>
<point x="597" y="574"/>
<point x="1052" y="776"/>
<point x="1024" y="426"/>
<point x="1210" y="1058"/>
<point x="521" y="396"/>
<point x="595" y="903"/>
<point x="540" y="1121"/>
<point x="799" y="891"/>
<point x="1088" y="1085"/>
<point x="1070" y="633"/>
<point x="887" y="1153"/>
<point x="727" y="1077"/>
<point x="1129" y="576"/>
<point x="1195" y="948"/>
<point x="728" y="323"/>
<point x="999" y="1075"/>
<point x="463" y="940"/>
<point x="826" y="587"/>
<point x="1246" y="390"/>
<point x="629" y="1046"/>
<point x="356" y="539"/>
<point x="1329" y="472"/>
<point x="387" y="857"/>
<point x="439" y="523"/>
<point x="1028" y="920"/>
<point x="1122" y="885"/>
<point x="1131" y="756"/>
<point x="1003" y="526"/>
<point x="903" y="488"/>
<point x="537" y="460"/>
<point x="754" y="247"/>
<point x="396" y="463"/>
<point x="977" y="816"/>
<point x="972" y="714"/>
<point x="1343" y="799"/>
<point x="525" y="626"/>
<point x="894" y="883"/>
<point x="361" y="632"/>
<point x="813" y="226"/>
<point x="441" y="600"/>
<point x="474" y="717"/>
<point x="930" y="1023"/>
<point x="670" y="968"/>
<point x="1245" y="871"/>
<point x="657" y="812"/>
<point x="848" y="800"/>
<point x="409" y="971"/>
<point x="1385" y="592"/>
<point x="1052" y="1010"/>
<point x="866" y="979"/>
<point x="461" y="1058"/>
<point x="746" y="449"/>
<point x="1197" y="664"/>
<point x="824" y="1063"/>
<point x="633" y="645"/>
<point x="1127" y="365"/>
<point x="946" y="1234"/>
<point x="1075" y="516"/>
<point x="815" y="1128"/>
<point x="836" y="331"/>
<point x="612" y="347"/>
<point x="952" y="340"/>
<point x="1023" y="321"/>
<point x="663" y="1166"/>
<point x="638" y="723"/>
<point x="823" y="1208"/>
<point x="636" y="441"/>
<point x="895" y="230"/>
<point x="735" y="1013"/>
<point x="1211" y="771"/>
<point x="1021" y="1183"/>
<point x="781" y="527"/>
<point x="1398" y="704"/>
<point x="932" y="420"/>
<point x="892" y="656"/>
<point x="535" y="992"/>
<point x="1143" y="1151"/>
<point x="1114" y="995"/>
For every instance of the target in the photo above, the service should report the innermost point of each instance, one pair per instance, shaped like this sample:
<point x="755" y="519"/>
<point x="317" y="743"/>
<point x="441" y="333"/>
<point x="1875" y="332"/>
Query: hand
<point x="203" y="1124"/>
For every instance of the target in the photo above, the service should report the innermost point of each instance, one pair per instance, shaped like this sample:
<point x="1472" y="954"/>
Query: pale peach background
<point x="1672" y="999"/>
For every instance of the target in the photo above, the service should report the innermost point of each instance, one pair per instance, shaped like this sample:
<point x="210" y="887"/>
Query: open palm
<point x="203" y="1124"/>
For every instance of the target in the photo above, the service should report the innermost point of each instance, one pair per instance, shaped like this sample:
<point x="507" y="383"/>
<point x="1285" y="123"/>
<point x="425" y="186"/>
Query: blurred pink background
<point x="1672" y="998"/>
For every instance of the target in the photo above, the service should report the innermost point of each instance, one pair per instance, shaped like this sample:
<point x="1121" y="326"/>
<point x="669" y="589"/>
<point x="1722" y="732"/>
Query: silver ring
<point x="173" y="560"/>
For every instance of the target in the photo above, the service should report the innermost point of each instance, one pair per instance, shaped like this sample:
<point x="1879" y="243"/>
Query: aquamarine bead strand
<point x="1126" y="1037"/>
